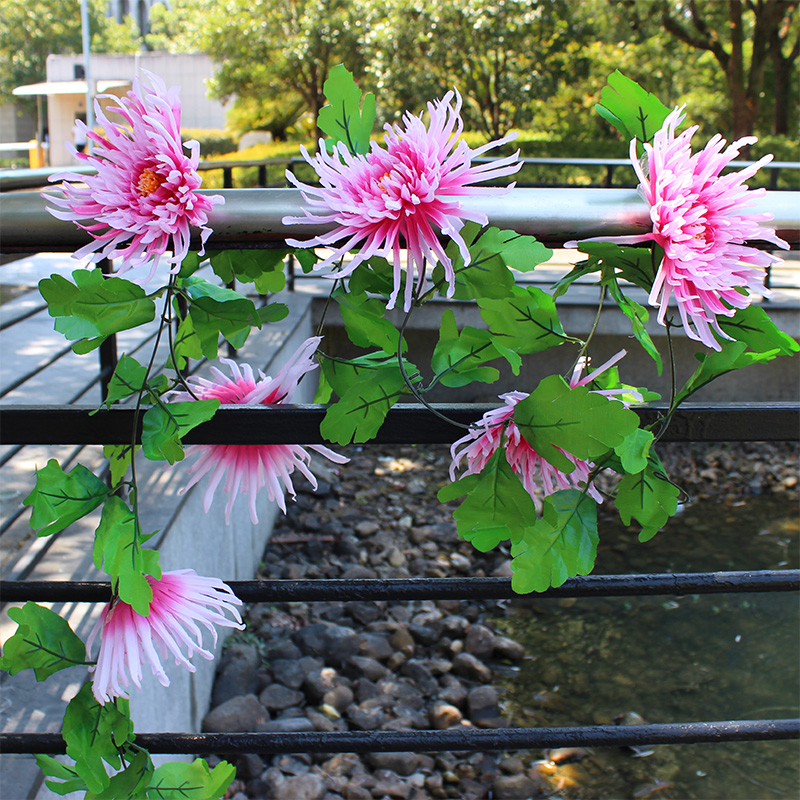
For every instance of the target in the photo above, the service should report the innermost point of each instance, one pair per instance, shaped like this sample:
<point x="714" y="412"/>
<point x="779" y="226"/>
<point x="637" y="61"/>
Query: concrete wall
<point x="188" y="71"/>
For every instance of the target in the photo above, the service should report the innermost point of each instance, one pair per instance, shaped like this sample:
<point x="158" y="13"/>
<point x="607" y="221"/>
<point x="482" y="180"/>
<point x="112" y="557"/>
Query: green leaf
<point x="215" y="310"/>
<point x="118" y="550"/>
<point x="187" y="343"/>
<point x="648" y="498"/>
<point x="129" y="378"/>
<point x="497" y="506"/>
<point x="307" y="258"/>
<point x="487" y="274"/>
<point x="753" y="326"/>
<point x="132" y="782"/>
<point x="69" y="782"/>
<point x="264" y="268"/>
<point x="119" y="460"/>
<point x="522" y="253"/>
<point x="94" y="307"/>
<point x="634" y="450"/>
<point x="634" y="112"/>
<point x="164" y="424"/>
<point x="93" y="734"/>
<point x="345" y="119"/>
<point x="365" y="322"/>
<point x="339" y="374"/>
<point x="561" y="545"/>
<point x="583" y="423"/>
<point x="637" y="265"/>
<point x="638" y="315"/>
<point x="458" y="358"/>
<point x="733" y="355"/>
<point x="190" y="264"/>
<point x="179" y="780"/>
<point x="43" y="642"/>
<point x="363" y="406"/>
<point x="375" y="276"/>
<point x="526" y="322"/>
<point x="60" y="498"/>
<point x="273" y="312"/>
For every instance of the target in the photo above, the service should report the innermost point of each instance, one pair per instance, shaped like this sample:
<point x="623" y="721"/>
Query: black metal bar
<point x="405" y="424"/>
<point x="108" y="347"/>
<point x="227" y="178"/>
<point x="405" y="589"/>
<point x="262" y="176"/>
<point x="434" y="741"/>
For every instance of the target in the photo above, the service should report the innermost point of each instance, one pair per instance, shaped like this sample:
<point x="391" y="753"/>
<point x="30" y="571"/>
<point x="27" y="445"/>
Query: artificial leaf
<point x="187" y="343"/>
<point x="264" y="268"/>
<point x="307" y="258"/>
<point x="95" y="306"/>
<point x="375" y="276"/>
<point x="526" y="322"/>
<point x="181" y="780"/>
<point x="561" y="545"/>
<point x="94" y="733"/>
<point x="648" y="498"/>
<point x="119" y="459"/>
<point x="164" y="424"/>
<point x="43" y="642"/>
<point x="487" y="274"/>
<point x="129" y="378"/>
<point x="634" y="450"/>
<point x="753" y="326"/>
<point x="733" y="355"/>
<point x="636" y="265"/>
<point x="118" y="550"/>
<point x="363" y="406"/>
<point x="497" y="506"/>
<point x="133" y="781"/>
<point x="69" y="780"/>
<point x="190" y="264"/>
<point x="273" y="312"/>
<point x="522" y="253"/>
<point x="61" y="498"/>
<point x="459" y="357"/>
<point x="365" y="322"/>
<point x="216" y="310"/>
<point x="634" y="112"/>
<point x="581" y="422"/>
<point x="345" y="118"/>
<point x="638" y="315"/>
<point x="341" y="373"/>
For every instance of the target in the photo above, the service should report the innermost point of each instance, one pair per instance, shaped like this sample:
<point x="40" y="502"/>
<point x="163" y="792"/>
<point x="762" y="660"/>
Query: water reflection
<point x="666" y="659"/>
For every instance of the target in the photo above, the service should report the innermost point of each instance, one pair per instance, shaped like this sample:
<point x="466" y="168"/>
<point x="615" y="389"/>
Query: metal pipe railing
<point x="252" y="218"/>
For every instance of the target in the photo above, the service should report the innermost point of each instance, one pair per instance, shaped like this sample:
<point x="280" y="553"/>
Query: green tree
<point x="30" y="30"/>
<point x="743" y="36"/>
<point x="274" y="55"/>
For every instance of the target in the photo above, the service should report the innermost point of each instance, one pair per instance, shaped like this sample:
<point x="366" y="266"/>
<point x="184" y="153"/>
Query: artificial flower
<point x="181" y="600"/>
<point x="143" y="199"/>
<point x="496" y="426"/>
<point x="699" y="220"/>
<point x="403" y="196"/>
<point x="252" y="467"/>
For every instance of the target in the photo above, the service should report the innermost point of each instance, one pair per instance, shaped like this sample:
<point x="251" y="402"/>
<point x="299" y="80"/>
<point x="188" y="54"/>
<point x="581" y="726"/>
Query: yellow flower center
<point x="148" y="182"/>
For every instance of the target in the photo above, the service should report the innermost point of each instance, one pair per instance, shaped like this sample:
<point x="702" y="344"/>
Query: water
<point x="666" y="659"/>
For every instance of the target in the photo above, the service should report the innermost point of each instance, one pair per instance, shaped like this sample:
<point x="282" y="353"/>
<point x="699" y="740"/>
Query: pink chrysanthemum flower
<point x="698" y="220"/>
<point x="251" y="467"/>
<point x="181" y="599"/>
<point x="403" y="196"/>
<point x="481" y="443"/>
<point x="144" y="197"/>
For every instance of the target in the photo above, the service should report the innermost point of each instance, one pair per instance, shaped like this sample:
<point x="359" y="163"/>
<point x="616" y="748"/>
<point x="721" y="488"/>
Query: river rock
<point x="238" y="714"/>
<point x="238" y="674"/>
<point x="320" y="681"/>
<point x="376" y="646"/>
<point x="402" y="763"/>
<point x="513" y="787"/>
<point x="278" y="697"/>
<point x="479" y="641"/>
<point x="301" y="787"/>
<point x="286" y="725"/>
<point x="508" y="649"/>
<point x="339" y="697"/>
<point x="334" y="643"/>
<point x="444" y="715"/>
<point x="466" y="665"/>
<point x="364" y="667"/>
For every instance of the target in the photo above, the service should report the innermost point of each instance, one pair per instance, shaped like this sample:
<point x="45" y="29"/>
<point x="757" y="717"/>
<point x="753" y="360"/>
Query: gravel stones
<point x="243" y="713"/>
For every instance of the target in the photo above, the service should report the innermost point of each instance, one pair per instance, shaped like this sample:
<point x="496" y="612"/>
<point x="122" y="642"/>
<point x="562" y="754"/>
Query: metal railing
<point x="16" y="179"/>
<point x="252" y="218"/>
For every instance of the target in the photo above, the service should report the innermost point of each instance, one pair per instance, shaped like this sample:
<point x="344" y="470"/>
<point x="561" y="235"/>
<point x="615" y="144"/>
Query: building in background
<point x="65" y="90"/>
